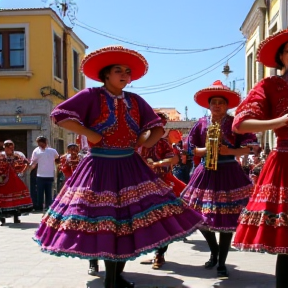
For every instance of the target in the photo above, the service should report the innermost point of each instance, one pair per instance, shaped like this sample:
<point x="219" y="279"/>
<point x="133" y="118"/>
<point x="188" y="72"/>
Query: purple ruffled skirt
<point x="219" y="195"/>
<point x="114" y="209"/>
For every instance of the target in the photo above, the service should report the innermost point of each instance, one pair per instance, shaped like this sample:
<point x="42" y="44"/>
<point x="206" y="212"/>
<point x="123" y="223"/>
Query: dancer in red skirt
<point x="160" y="157"/>
<point x="263" y="224"/>
<point x="14" y="194"/>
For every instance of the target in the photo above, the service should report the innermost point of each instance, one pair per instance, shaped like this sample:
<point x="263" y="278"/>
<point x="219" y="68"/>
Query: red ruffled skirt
<point x="263" y="224"/>
<point x="14" y="194"/>
<point x="177" y="185"/>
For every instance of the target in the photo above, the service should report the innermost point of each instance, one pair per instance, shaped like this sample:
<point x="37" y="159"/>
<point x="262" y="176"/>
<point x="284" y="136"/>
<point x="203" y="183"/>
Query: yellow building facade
<point x="39" y="68"/>
<point x="265" y="18"/>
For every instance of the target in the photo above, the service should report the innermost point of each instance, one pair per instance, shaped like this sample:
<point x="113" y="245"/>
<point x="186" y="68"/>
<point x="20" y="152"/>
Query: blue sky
<point x="182" y="24"/>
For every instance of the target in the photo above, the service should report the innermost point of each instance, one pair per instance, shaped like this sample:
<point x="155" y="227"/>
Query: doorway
<point x="19" y="137"/>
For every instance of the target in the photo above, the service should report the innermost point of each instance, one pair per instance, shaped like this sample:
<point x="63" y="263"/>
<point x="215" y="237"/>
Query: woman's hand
<point x="224" y="150"/>
<point x="77" y="128"/>
<point x="183" y="158"/>
<point x="93" y="137"/>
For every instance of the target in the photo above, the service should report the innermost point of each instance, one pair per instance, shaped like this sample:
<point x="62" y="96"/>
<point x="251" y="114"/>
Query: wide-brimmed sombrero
<point x="217" y="89"/>
<point x="268" y="48"/>
<point x="94" y="62"/>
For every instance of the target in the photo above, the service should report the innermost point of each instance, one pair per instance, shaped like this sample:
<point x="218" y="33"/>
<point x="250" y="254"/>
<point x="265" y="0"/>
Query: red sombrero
<point x="268" y="48"/>
<point x="95" y="61"/>
<point x="220" y="90"/>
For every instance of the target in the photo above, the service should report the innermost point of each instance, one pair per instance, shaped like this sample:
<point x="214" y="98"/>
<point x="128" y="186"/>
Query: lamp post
<point x="18" y="112"/>
<point x="226" y="70"/>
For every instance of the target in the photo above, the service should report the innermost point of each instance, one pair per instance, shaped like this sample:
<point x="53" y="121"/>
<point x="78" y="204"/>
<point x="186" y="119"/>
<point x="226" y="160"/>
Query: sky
<point x="173" y="26"/>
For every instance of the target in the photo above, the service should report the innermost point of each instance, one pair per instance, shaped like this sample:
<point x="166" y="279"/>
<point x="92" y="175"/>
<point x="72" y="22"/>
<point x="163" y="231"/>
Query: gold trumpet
<point x="213" y="139"/>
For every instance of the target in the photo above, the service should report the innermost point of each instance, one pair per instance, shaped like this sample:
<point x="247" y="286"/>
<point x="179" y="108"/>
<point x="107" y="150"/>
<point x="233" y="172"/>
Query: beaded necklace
<point x="115" y="97"/>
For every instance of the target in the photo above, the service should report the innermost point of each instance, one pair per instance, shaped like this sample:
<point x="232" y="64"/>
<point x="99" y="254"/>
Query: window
<point x="76" y="74"/>
<point x="57" y="57"/>
<point x="12" y="49"/>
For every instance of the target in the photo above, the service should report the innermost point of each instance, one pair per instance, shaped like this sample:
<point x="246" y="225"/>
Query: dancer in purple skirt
<point x="113" y="207"/>
<point x="221" y="193"/>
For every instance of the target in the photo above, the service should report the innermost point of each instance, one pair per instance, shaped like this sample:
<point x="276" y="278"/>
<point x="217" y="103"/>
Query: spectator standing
<point x="45" y="157"/>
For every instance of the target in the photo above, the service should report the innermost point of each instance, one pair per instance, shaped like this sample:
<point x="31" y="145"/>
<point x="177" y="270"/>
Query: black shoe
<point x="16" y="220"/>
<point x="93" y="268"/>
<point x="222" y="273"/>
<point x="93" y="271"/>
<point x="122" y="283"/>
<point x="211" y="262"/>
<point x="3" y="221"/>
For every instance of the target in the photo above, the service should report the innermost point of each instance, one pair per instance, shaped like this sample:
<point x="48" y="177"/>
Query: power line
<point x="195" y="78"/>
<point x="147" y="46"/>
<point x="152" y="87"/>
<point x="173" y="84"/>
<point x="192" y="52"/>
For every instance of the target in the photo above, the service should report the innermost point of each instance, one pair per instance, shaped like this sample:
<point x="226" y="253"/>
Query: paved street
<point x="23" y="265"/>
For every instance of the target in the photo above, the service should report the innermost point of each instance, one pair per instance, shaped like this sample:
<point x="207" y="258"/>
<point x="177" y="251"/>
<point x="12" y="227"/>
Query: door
<point x="19" y="137"/>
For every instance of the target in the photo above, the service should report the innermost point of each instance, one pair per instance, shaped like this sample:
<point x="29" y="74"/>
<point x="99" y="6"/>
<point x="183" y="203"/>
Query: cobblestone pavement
<point x="23" y="265"/>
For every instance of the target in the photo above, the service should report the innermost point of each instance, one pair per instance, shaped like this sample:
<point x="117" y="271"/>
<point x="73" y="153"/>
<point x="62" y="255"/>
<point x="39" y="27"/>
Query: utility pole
<point x="186" y="113"/>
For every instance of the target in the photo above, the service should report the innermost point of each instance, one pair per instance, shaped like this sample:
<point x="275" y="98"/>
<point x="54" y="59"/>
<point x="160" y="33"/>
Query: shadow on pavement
<point x="237" y="279"/>
<point x="22" y="225"/>
<point x="202" y="246"/>
<point x="199" y="245"/>
<point x="143" y="281"/>
<point x="256" y="279"/>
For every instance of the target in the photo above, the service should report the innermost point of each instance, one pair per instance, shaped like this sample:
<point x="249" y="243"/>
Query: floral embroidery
<point x="264" y="217"/>
<point x="270" y="193"/>
<point x="260" y="248"/>
<point x="124" y="198"/>
<point x="119" y="124"/>
<point x="120" y="228"/>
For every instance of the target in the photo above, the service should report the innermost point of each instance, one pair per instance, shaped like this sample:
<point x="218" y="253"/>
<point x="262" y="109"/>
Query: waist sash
<point x="111" y="153"/>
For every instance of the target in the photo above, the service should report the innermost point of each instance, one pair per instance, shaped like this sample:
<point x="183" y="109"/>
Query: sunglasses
<point x="8" y="144"/>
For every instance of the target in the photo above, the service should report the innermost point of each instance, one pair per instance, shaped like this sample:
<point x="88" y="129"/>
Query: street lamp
<point x="18" y="112"/>
<point x="226" y="70"/>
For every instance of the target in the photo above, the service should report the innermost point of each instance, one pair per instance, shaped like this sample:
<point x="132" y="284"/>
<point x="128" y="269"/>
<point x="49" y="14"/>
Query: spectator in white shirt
<point x="45" y="157"/>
